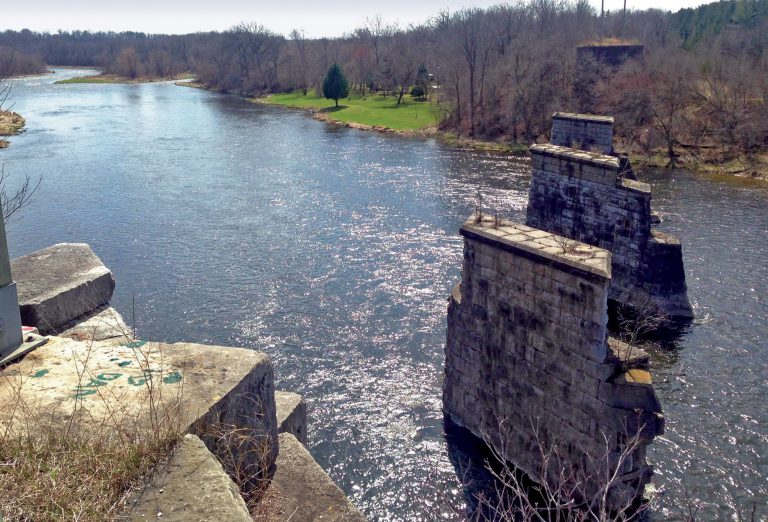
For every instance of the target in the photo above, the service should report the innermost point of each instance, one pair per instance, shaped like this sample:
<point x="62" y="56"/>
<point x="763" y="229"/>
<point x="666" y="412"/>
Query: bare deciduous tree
<point x="557" y="490"/>
<point x="128" y="63"/>
<point x="300" y="68"/>
<point x="402" y="62"/>
<point x="669" y="99"/>
<point x="13" y="201"/>
<point x="19" y="198"/>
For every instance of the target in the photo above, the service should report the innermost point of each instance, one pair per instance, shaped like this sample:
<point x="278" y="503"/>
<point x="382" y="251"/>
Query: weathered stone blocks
<point x="587" y="197"/>
<point x="110" y="389"/>
<point x="613" y="55"/>
<point x="527" y="355"/>
<point x="59" y="284"/>
<point x="102" y="324"/>
<point x="191" y="486"/>
<point x="583" y="131"/>
<point x="291" y="415"/>
<point x="303" y="491"/>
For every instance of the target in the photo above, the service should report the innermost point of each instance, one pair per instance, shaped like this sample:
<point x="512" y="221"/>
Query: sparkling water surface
<point x="334" y="251"/>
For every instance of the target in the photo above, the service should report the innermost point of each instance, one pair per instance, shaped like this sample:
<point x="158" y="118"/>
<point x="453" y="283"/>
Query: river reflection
<point x="334" y="250"/>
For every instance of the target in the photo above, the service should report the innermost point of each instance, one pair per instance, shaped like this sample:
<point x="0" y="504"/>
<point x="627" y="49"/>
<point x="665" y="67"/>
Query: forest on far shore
<point x="699" y="90"/>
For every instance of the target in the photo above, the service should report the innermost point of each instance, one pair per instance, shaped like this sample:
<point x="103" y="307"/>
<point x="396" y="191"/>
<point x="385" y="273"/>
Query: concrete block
<point x="60" y="283"/>
<point x="629" y="396"/>
<point x="192" y="486"/>
<point x="104" y="323"/>
<point x="206" y="390"/>
<point x="303" y="491"/>
<point x="291" y="415"/>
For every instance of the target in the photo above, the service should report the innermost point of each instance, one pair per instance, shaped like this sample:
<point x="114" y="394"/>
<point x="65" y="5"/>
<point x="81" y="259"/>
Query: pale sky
<point x="317" y="18"/>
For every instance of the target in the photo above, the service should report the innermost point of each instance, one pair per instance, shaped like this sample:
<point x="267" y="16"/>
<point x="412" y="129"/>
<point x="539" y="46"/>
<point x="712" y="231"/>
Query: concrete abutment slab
<point x="303" y="491"/>
<point x="192" y="486"/>
<point x="59" y="284"/>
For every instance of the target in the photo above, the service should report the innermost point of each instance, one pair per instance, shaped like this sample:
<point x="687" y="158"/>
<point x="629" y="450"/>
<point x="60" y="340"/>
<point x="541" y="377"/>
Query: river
<point x="334" y="250"/>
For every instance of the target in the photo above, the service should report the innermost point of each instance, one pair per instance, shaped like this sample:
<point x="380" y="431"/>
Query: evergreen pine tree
<point x="335" y="85"/>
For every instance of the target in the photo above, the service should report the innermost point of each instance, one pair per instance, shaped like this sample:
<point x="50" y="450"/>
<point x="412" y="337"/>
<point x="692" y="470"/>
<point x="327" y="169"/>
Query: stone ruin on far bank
<point x="529" y="365"/>
<point x="611" y="54"/>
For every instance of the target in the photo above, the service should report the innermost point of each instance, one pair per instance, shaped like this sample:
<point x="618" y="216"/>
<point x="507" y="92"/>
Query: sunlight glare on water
<point x="334" y="250"/>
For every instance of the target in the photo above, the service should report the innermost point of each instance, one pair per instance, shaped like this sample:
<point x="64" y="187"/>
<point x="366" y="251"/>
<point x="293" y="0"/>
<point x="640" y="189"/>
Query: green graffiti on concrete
<point x="89" y="388"/>
<point x="94" y="383"/>
<point x="105" y="378"/>
<point x="39" y="373"/>
<point x="123" y="364"/>
<point x="133" y="381"/>
<point x="172" y="378"/>
<point x="80" y="392"/>
<point x="141" y="381"/>
<point x="135" y="344"/>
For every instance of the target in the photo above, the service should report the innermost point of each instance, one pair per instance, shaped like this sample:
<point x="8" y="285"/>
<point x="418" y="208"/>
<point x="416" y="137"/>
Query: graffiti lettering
<point x="105" y="378"/>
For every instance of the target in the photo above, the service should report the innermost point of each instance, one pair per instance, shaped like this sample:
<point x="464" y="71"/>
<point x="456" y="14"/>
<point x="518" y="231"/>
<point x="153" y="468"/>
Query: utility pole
<point x="623" y="19"/>
<point x="602" y="19"/>
<point x="12" y="345"/>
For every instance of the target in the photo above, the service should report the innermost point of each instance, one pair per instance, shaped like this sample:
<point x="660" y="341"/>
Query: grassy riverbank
<point x="381" y="113"/>
<point x="376" y="112"/>
<point x="113" y="78"/>
<point x="372" y="111"/>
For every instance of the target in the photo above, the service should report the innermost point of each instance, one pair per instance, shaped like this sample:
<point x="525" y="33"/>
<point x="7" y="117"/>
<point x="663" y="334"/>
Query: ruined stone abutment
<point x="528" y="363"/>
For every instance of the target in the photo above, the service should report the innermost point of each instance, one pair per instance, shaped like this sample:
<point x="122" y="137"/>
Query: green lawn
<point x="375" y="110"/>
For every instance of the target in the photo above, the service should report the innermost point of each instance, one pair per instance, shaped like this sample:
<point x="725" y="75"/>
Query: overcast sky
<point x="317" y="18"/>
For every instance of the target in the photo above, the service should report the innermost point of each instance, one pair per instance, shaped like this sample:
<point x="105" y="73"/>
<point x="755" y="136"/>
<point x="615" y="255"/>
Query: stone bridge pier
<point x="529" y="365"/>
<point x="581" y="191"/>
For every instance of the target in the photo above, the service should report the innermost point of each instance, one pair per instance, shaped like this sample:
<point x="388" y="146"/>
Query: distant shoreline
<point x="114" y="78"/>
<point x="370" y="118"/>
<point x="743" y="165"/>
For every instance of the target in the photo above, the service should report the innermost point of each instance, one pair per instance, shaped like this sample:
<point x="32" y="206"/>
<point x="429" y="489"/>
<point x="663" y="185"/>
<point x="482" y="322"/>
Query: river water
<point x="334" y="250"/>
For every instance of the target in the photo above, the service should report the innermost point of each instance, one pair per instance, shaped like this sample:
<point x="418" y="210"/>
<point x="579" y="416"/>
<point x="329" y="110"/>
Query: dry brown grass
<point x="54" y="468"/>
<point x="10" y="123"/>
<point x="64" y="476"/>
<point x="80" y="467"/>
<point x="242" y="455"/>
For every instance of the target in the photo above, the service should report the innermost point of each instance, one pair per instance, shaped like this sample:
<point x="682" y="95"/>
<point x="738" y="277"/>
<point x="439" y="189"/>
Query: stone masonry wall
<point x="613" y="55"/>
<point x="527" y="346"/>
<point x="583" y="131"/>
<point x="583" y="196"/>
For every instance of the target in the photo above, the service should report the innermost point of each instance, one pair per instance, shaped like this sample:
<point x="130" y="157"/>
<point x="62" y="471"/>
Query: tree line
<point x="498" y="73"/>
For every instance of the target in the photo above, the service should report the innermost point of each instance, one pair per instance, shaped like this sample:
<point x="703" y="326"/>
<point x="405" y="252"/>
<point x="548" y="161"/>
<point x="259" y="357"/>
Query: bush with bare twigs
<point x="559" y="489"/>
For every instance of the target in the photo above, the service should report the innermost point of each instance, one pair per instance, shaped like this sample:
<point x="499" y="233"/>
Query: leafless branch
<point x="18" y="199"/>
